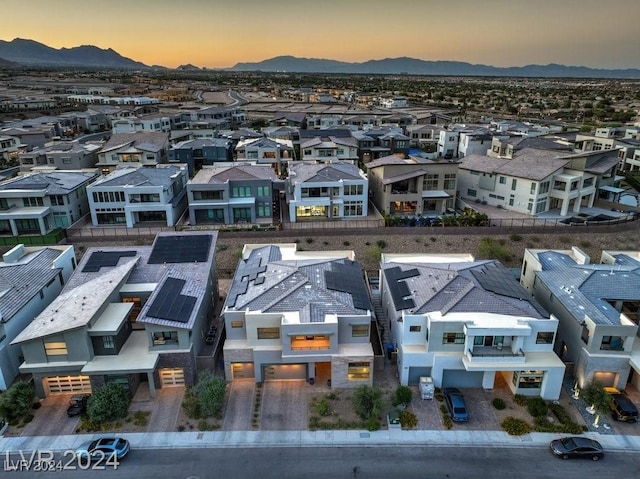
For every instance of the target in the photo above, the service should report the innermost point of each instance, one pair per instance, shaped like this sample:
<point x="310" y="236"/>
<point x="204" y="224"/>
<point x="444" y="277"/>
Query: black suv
<point x="78" y="404"/>
<point x="622" y="409"/>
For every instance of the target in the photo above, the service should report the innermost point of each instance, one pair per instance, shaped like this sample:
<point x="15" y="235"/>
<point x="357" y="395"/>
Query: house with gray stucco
<point x="598" y="306"/>
<point x="468" y="323"/>
<point x="31" y="277"/>
<point x="300" y="315"/>
<point x="133" y="315"/>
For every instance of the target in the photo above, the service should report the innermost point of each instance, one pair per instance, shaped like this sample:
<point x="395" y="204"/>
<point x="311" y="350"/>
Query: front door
<point x="488" y="340"/>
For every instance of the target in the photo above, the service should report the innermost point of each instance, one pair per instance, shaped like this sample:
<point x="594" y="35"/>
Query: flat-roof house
<point x="298" y="315"/>
<point x="130" y="315"/>
<point x="468" y="323"/>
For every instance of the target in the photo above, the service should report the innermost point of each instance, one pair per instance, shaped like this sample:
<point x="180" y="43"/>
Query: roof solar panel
<point x="398" y="288"/>
<point x="181" y="249"/>
<point x="100" y="259"/>
<point x="171" y="304"/>
<point x="347" y="277"/>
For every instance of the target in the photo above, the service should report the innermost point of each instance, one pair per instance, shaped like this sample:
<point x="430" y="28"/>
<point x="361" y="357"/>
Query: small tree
<point x="210" y="393"/>
<point x="595" y="395"/>
<point x="367" y="401"/>
<point x="16" y="401"/>
<point x="109" y="403"/>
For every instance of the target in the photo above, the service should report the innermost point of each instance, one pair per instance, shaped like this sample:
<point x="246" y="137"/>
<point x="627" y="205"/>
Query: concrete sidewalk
<point x="339" y="438"/>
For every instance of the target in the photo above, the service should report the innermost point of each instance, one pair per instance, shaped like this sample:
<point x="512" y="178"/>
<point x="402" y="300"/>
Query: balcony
<point x="494" y="354"/>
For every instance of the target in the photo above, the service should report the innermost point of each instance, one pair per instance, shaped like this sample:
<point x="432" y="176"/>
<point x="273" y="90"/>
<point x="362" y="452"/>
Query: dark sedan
<point x="577" y="447"/>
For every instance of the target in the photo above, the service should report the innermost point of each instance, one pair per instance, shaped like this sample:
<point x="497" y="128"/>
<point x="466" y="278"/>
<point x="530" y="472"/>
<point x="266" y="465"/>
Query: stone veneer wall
<point x="236" y="356"/>
<point x="184" y="360"/>
<point x="340" y="367"/>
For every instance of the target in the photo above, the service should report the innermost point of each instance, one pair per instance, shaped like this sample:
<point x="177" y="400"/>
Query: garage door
<point x="284" y="371"/>
<point x="459" y="378"/>
<point x="171" y="377"/>
<point x="415" y="373"/>
<point x="242" y="370"/>
<point x="67" y="384"/>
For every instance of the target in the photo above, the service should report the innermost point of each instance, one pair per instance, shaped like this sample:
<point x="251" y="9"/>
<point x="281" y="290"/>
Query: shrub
<point x="515" y="427"/>
<point x="36" y="405"/>
<point x="88" y="424"/>
<point x="345" y="243"/>
<point x="382" y="244"/>
<point x="536" y="406"/>
<point x="210" y="392"/>
<point x="222" y="247"/>
<point x="27" y="419"/>
<point x="332" y="396"/>
<point x="433" y="239"/>
<point x="515" y="237"/>
<point x="309" y="240"/>
<point x="488" y="248"/>
<point x="498" y="403"/>
<point x="17" y="401"/>
<point x="408" y="420"/>
<point x="181" y="428"/>
<point x="109" y="403"/>
<point x="190" y="404"/>
<point x="585" y="244"/>
<point x="373" y="424"/>
<point x="322" y="408"/>
<point x="367" y="401"/>
<point x="520" y="400"/>
<point x="140" y="418"/>
<point x="402" y="395"/>
<point x="204" y="425"/>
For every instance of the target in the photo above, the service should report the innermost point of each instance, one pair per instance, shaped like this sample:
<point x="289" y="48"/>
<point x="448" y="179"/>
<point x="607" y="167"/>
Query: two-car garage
<point x="270" y="372"/>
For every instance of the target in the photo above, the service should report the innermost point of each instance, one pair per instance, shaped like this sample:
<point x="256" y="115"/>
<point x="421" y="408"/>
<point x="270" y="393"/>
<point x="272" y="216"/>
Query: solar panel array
<point x="248" y="270"/>
<point x="398" y="288"/>
<point x="347" y="278"/>
<point x="181" y="249"/>
<point x="170" y="304"/>
<point x="99" y="259"/>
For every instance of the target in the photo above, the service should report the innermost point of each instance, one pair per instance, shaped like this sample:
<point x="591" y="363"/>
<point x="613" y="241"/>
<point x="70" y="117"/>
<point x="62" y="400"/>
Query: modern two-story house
<point x="39" y="203"/>
<point x="598" y="306"/>
<point x="133" y="196"/>
<point x="468" y="323"/>
<point x="234" y="193"/>
<point x="30" y="278"/>
<point x="412" y="185"/>
<point x="319" y="191"/>
<point x="132" y="315"/>
<point x="298" y="315"/>
<point x="135" y="149"/>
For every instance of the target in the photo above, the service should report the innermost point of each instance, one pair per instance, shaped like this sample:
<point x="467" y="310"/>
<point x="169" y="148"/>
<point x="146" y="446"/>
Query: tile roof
<point x="479" y="286"/>
<point x="223" y="174"/>
<point x="54" y="182"/>
<point x="313" y="172"/>
<point x="22" y="280"/>
<point x="530" y="164"/>
<point x="138" y="176"/>
<point x="264" y="282"/>
<point x="586" y="289"/>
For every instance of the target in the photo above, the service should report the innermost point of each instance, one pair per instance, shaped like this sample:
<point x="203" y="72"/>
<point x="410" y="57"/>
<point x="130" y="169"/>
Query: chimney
<point x="14" y="254"/>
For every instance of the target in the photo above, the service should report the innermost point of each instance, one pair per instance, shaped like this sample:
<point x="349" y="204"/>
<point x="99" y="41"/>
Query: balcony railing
<point x="494" y="352"/>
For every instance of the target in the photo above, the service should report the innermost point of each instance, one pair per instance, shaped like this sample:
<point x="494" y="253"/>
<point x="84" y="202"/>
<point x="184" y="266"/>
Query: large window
<point x="264" y="210"/>
<point x="237" y="324"/>
<point x="165" y="337"/>
<point x="353" y="208"/>
<point x="612" y="343"/>
<point x="360" y="331"/>
<point x="57" y="200"/>
<point x="299" y="343"/>
<point x="430" y="182"/>
<point x="415" y="329"/>
<point x="514" y="184"/>
<point x="33" y="201"/>
<point x="264" y="191"/>
<point x="544" y="187"/>
<point x="58" y="348"/>
<point x="358" y="371"/>
<point x="544" y="337"/>
<point x="352" y="190"/>
<point x="241" y="214"/>
<point x="208" y="195"/>
<point x="528" y="379"/>
<point x="108" y="342"/>
<point x="241" y="192"/>
<point x="450" y="181"/>
<point x="453" y="338"/>
<point x="268" y="333"/>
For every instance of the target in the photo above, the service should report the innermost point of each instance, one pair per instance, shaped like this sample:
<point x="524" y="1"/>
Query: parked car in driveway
<point x="78" y="404"/>
<point x="455" y="404"/>
<point x="622" y="409"/>
<point x="577" y="447"/>
<point x="104" y="447"/>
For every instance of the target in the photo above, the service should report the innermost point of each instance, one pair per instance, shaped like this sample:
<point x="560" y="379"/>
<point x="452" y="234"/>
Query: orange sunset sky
<point x="221" y="33"/>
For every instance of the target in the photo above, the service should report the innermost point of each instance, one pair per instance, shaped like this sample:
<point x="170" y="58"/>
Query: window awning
<point x="612" y="189"/>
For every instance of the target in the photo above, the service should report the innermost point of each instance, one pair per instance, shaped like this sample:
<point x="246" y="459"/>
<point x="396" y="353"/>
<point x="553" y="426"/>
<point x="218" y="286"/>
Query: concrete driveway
<point x="239" y="408"/>
<point x="284" y="406"/>
<point x="51" y="419"/>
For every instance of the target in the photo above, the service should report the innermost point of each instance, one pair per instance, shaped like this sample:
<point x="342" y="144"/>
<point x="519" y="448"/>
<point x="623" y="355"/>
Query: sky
<point x="221" y="33"/>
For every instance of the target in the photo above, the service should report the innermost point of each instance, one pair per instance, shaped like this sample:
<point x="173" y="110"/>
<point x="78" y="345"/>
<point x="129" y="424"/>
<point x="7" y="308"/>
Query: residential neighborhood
<point x="304" y="245"/>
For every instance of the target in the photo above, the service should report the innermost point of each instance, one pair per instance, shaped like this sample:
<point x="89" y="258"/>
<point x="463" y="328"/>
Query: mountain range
<point x="31" y="53"/>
